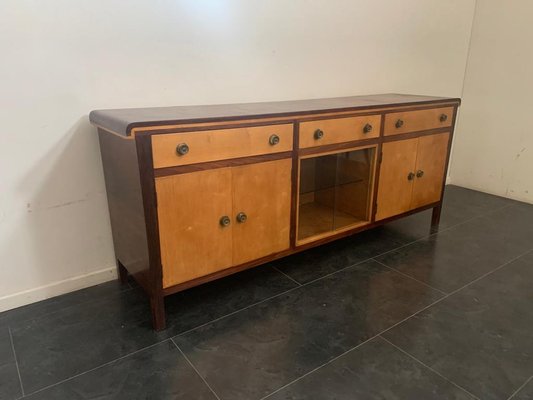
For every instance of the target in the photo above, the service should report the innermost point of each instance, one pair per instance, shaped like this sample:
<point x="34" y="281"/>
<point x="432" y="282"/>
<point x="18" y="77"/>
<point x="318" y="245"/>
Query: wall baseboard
<point x="57" y="288"/>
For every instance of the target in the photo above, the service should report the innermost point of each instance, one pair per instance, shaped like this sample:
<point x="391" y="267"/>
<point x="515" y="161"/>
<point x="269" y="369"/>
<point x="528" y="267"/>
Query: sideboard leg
<point x="435" y="218"/>
<point x="122" y="273"/>
<point x="157" y="304"/>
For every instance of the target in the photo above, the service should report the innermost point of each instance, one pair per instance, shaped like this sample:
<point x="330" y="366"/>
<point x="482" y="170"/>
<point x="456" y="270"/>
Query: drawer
<point x="420" y="120"/>
<point x="338" y="130"/>
<point x="185" y="148"/>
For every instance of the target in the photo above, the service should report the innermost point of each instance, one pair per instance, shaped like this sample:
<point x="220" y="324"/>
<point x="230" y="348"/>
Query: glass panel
<point x="353" y="189"/>
<point x="335" y="191"/>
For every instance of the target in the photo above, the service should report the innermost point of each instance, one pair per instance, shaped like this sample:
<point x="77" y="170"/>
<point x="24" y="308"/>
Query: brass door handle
<point x="241" y="217"/>
<point x="399" y="123"/>
<point x="225" y="221"/>
<point x="273" y="140"/>
<point x="419" y="173"/>
<point x="411" y="176"/>
<point x="367" y="128"/>
<point x="182" y="149"/>
<point x="319" y="134"/>
<point x="443" y="118"/>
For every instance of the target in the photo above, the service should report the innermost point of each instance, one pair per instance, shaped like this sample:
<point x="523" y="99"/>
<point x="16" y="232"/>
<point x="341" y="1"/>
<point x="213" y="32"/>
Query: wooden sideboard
<point x="197" y="193"/>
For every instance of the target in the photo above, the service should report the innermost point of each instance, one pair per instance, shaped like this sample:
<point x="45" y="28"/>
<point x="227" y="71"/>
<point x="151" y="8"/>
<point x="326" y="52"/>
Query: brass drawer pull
<point x="411" y="176"/>
<point x="182" y="149"/>
<point x="319" y="134"/>
<point x="419" y="173"/>
<point x="241" y="217"/>
<point x="225" y="221"/>
<point x="367" y="128"/>
<point x="399" y="123"/>
<point x="273" y="140"/>
<point x="443" y="118"/>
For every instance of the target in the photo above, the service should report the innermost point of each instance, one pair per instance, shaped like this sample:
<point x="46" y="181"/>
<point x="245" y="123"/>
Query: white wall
<point x="63" y="58"/>
<point x="493" y="148"/>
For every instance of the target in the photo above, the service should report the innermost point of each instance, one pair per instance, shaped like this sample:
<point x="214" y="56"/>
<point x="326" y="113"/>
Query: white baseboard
<point x="57" y="288"/>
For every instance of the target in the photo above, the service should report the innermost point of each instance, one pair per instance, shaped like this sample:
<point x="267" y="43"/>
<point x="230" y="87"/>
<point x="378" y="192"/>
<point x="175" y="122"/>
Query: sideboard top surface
<point x="122" y="121"/>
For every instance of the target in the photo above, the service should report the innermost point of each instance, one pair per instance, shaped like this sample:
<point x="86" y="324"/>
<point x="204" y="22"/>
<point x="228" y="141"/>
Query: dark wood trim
<point x="233" y="162"/>
<point x="144" y="153"/>
<point x="337" y="146"/>
<point x="165" y="131"/>
<point x="238" y="268"/>
<point x="295" y="173"/>
<point x="284" y="114"/>
<point x="122" y="272"/>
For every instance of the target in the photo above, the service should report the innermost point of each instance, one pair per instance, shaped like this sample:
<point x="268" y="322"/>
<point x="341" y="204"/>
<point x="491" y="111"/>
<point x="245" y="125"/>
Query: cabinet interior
<point x="335" y="191"/>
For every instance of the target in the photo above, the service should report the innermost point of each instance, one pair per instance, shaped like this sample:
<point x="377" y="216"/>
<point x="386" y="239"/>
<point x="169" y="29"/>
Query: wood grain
<point x="338" y="130"/>
<point x="394" y="191"/>
<point x="414" y="121"/>
<point x="263" y="192"/>
<point x="431" y="159"/>
<point x="213" y="145"/>
<point x="193" y="243"/>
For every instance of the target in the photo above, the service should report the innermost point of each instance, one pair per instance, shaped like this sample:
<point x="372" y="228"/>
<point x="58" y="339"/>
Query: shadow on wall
<point x="65" y="230"/>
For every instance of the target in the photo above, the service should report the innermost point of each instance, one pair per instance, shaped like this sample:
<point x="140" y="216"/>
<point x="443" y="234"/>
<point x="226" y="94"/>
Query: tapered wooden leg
<point x="157" y="304"/>
<point x="122" y="273"/>
<point x="435" y="218"/>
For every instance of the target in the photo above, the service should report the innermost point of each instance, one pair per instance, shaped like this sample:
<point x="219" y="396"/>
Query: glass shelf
<point x="335" y="191"/>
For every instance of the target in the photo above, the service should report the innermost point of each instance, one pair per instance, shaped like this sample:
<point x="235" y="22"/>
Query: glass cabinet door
<point x="335" y="191"/>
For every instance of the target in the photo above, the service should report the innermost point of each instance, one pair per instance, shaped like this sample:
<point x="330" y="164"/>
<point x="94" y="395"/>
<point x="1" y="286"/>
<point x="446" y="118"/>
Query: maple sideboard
<point x="197" y="193"/>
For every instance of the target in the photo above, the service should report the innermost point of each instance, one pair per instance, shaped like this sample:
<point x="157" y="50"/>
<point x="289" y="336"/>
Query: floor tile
<point x="455" y="257"/>
<point x="159" y="372"/>
<point x="109" y="290"/>
<point x="9" y="380"/>
<point x="525" y="393"/>
<point x="323" y="260"/>
<point x="253" y="352"/>
<point x="480" y="337"/>
<point x="59" y="345"/>
<point x="375" y="370"/>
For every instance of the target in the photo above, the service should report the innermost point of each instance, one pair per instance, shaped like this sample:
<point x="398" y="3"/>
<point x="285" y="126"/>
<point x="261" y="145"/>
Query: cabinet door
<point x="430" y="164"/>
<point x="262" y="193"/>
<point x="193" y="241"/>
<point x="395" y="182"/>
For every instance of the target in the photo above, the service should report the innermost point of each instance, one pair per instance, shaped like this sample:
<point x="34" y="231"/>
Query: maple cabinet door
<point x="396" y="178"/>
<point x="195" y="238"/>
<point x="261" y="209"/>
<point x="429" y="171"/>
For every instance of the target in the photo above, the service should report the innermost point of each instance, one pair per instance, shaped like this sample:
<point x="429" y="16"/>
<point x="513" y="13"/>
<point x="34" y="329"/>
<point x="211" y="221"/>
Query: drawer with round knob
<point x="419" y="120"/>
<point x="174" y="149"/>
<point x="339" y="130"/>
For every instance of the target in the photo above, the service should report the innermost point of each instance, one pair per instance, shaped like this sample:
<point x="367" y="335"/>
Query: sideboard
<point x="196" y="193"/>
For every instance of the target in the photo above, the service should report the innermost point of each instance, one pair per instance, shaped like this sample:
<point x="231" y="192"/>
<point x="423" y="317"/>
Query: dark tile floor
<point x="392" y="313"/>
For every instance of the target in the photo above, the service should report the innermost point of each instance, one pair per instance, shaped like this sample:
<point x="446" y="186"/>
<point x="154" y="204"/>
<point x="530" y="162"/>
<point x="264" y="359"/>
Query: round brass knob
<point x="273" y="140"/>
<point x="411" y="176"/>
<point x="319" y="134"/>
<point x="443" y="118"/>
<point x="225" y="221"/>
<point x="419" y="173"/>
<point x="182" y="149"/>
<point x="399" y="123"/>
<point x="241" y="217"/>
<point x="367" y="128"/>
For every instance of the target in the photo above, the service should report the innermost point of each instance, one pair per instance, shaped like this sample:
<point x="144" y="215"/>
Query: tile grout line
<point x="520" y="388"/>
<point x="283" y="273"/>
<point x="395" y="325"/>
<point x="95" y="368"/>
<point x="410" y="277"/>
<point x="194" y="368"/>
<point x="16" y="360"/>
<point x="429" y="368"/>
<point x="297" y="287"/>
